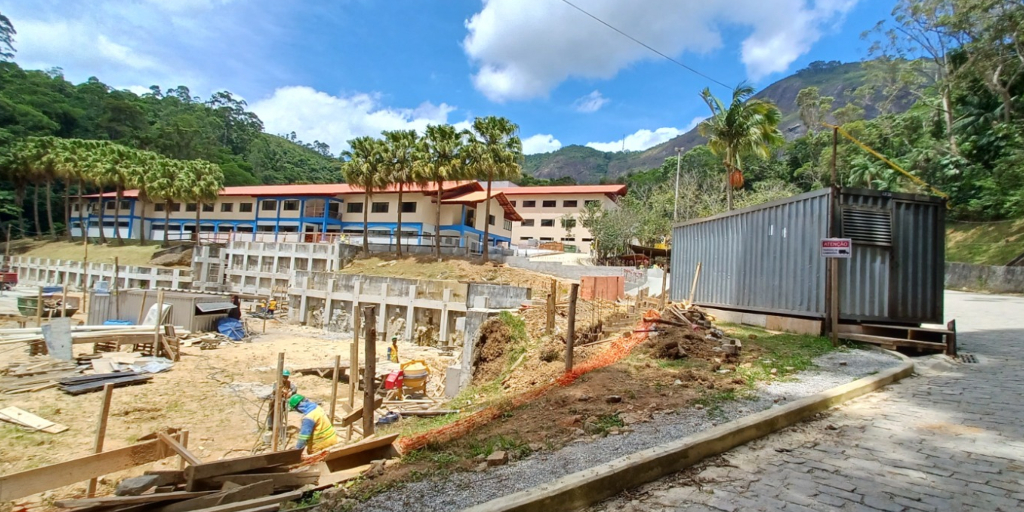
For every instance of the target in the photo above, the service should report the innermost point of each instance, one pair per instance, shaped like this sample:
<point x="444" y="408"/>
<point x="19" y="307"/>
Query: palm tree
<point x="403" y="154"/>
<point x="364" y="168"/>
<point x="747" y="127"/>
<point x="139" y="178"/>
<point x="66" y="168"/>
<point x="206" y="180"/>
<point x="17" y="169"/>
<point x="443" y="146"/>
<point x="497" y="151"/>
<point x="117" y="162"/>
<point x="163" y="180"/>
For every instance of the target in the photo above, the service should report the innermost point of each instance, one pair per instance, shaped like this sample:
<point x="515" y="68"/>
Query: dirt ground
<point x="459" y="269"/>
<point x="129" y="254"/>
<point x="211" y="393"/>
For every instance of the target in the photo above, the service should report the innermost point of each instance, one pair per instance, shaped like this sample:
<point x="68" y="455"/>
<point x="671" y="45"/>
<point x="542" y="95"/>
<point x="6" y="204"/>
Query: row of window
<point x="549" y="223"/>
<point x="568" y="203"/>
<point x="550" y="239"/>
<point x="381" y="207"/>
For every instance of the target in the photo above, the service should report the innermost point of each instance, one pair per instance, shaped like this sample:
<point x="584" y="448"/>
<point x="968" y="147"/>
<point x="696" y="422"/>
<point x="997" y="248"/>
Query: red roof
<point x="479" y="196"/>
<point x="329" y="189"/>
<point x="619" y="190"/>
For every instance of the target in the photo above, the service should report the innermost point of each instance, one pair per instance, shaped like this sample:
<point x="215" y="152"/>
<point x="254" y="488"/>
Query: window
<point x="546" y="239"/>
<point x="291" y="205"/>
<point x="527" y="223"/>
<point x="529" y="204"/>
<point x="570" y="204"/>
<point x="159" y="207"/>
<point x="125" y="205"/>
<point x="592" y="202"/>
<point x="109" y="205"/>
<point x="525" y="238"/>
<point x="508" y="225"/>
<point x="547" y="223"/>
<point x="175" y="207"/>
<point x="409" y="207"/>
<point x="490" y="219"/>
<point x="265" y="229"/>
<point x="470" y="217"/>
<point x="550" y="204"/>
<point x="227" y="207"/>
<point x="568" y="223"/>
<point x="568" y="239"/>
<point x="354" y="208"/>
<point x="245" y="207"/>
<point x="381" y="207"/>
<point x="513" y="204"/>
<point x="588" y="239"/>
<point x="190" y="207"/>
<point x="269" y="205"/>
<point x="207" y="207"/>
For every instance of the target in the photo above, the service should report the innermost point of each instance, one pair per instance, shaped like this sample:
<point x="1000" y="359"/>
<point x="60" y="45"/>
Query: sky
<point x="331" y="70"/>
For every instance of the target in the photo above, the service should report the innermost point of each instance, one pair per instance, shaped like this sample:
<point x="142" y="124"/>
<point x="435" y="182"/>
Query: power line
<point x="641" y="43"/>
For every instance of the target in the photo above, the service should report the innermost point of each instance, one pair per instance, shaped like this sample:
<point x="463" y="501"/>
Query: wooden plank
<point x="358" y="454"/>
<point x="257" y="503"/>
<point x="179" y="449"/>
<point x="357" y="414"/>
<point x="367" y="444"/>
<point x="330" y="479"/>
<point x="283" y="481"/>
<point x="168" y="476"/>
<point x="79" y="389"/>
<point x="235" y="495"/>
<point x="240" y="465"/>
<point x="16" y="415"/>
<point x="882" y="340"/>
<point x="101" y="431"/>
<point x="113" y="501"/>
<point x="27" y="483"/>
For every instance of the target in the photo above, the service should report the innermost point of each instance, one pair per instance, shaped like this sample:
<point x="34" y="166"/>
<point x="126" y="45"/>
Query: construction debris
<point x="685" y="333"/>
<point x="90" y="383"/>
<point x="30" y="421"/>
<point x="35" y="374"/>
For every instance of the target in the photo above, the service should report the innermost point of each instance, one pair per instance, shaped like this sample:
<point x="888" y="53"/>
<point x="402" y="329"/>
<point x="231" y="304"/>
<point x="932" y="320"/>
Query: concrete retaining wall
<point x="983" y="278"/>
<point x="573" y="271"/>
<point x="73" y="275"/>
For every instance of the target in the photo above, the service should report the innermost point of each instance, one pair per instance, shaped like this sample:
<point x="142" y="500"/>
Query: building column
<point x="410" y="313"/>
<point x="277" y="221"/>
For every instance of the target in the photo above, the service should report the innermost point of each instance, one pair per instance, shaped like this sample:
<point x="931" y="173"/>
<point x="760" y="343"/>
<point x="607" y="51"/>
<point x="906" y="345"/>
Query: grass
<point x="604" y="423"/>
<point x="130" y="254"/>
<point x="991" y="243"/>
<point x="783" y="352"/>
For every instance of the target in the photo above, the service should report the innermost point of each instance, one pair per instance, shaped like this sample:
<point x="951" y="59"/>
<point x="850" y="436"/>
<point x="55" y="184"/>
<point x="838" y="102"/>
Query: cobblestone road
<point x="951" y="438"/>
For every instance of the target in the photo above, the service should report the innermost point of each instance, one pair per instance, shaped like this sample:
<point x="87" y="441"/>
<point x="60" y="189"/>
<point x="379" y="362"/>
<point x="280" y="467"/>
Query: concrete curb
<point x="578" y="490"/>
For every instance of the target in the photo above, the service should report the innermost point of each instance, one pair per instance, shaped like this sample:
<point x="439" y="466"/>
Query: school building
<point x="551" y="213"/>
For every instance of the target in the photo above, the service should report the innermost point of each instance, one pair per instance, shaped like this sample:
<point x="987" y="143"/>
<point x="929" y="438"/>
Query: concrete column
<point x="303" y="314"/>
<point x="357" y="291"/>
<point x="446" y="296"/>
<point x="410" y="313"/>
<point x="382" y="315"/>
<point x="328" y="308"/>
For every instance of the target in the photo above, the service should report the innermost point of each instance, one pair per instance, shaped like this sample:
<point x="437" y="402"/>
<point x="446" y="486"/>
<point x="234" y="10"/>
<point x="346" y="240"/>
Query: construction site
<point x="448" y="382"/>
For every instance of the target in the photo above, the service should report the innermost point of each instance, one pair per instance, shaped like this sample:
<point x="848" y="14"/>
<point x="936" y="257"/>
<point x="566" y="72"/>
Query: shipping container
<point x="767" y="258"/>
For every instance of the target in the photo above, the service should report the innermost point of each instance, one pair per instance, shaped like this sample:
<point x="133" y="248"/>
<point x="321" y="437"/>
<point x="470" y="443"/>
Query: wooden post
<point x="693" y="287"/>
<point x="334" y="386"/>
<point x="159" y="320"/>
<point x="101" y="431"/>
<point x="370" y="317"/>
<point x="833" y="263"/>
<point x="353" y="369"/>
<point x="550" y="325"/>
<point x="570" y="333"/>
<point x="266" y="310"/>
<point x="184" y="444"/>
<point x="117" y="300"/>
<point x="39" y="307"/>
<point x="664" y="280"/>
<point x="7" y="247"/>
<point x="277" y="401"/>
<point x="142" y="308"/>
<point x="85" y="271"/>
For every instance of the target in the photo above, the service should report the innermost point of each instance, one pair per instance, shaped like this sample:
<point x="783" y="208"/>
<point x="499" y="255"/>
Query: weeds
<point x="604" y="423"/>
<point x="516" y="448"/>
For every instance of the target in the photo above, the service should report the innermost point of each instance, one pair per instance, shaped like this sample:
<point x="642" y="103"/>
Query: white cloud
<point x="139" y="90"/>
<point x="43" y="44"/>
<point x="316" y="115"/>
<point x="638" y="141"/>
<point x="540" y="143"/>
<point x="590" y="103"/>
<point x="524" y="48"/>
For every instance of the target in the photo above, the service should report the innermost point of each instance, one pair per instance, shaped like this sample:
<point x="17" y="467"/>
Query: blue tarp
<point x="231" y="328"/>
<point x="118" y="322"/>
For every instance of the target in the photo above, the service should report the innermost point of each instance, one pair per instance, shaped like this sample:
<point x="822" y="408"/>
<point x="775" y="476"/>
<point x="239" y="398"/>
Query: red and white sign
<point x="836" y="248"/>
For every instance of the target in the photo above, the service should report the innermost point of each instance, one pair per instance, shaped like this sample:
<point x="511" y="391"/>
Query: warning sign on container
<point x="836" y="248"/>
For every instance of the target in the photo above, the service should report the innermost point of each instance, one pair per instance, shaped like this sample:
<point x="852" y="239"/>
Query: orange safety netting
<point x="616" y="350"/>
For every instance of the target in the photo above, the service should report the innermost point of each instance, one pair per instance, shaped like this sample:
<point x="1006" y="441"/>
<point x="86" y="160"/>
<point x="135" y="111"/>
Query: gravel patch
<point x="461" y="490"/>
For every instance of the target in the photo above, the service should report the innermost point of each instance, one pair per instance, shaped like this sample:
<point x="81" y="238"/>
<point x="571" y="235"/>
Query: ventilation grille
<point x="867" y="226"/>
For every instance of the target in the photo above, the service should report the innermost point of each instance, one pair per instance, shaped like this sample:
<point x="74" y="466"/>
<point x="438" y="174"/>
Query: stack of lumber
<point x="82" y="333"/>
<point x="89" y="383"/>
<point x="36" y="373"/>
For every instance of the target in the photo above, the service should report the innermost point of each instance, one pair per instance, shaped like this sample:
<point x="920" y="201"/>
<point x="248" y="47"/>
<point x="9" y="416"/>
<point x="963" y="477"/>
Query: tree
<point x="444" y="148"/>
<point x="203" y="183"/>
<point x="746" y="127"/>
<point x="7" y="33"/>
<point x="403" y="154"/>
<point x="496" y="152"/>
<point x="814" y="108"/>
<point x="364" y="168"/>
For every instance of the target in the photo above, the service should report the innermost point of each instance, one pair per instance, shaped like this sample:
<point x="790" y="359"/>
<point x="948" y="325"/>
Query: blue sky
<point x="333" y="70"/>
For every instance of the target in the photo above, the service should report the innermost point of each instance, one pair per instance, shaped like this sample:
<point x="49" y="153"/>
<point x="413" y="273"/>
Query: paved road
<point x="951" y="438"/>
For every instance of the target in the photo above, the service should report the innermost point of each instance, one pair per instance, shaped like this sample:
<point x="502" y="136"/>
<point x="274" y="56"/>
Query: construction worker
<point x="272" y="307"/>
<point x="288" y="390"/>
<point x="317" y="432"/>
<point x="393" y="349"/>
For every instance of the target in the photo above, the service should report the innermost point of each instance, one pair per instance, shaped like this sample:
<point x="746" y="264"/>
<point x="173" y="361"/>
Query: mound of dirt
<point x="674" y="342"/>
<point x="491" y="349"/>
<point x="174" y="259"/>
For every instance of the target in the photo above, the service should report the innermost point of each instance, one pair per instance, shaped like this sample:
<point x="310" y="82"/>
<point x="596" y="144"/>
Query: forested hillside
<point x="171" y="122"/>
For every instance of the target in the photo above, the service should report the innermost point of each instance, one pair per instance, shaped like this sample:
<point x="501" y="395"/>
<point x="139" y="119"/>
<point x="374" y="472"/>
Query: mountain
<point x="588" y="165"/>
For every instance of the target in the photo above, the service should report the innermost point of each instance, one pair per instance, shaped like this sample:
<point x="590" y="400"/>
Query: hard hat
<point x="286" y="373"/>
<point x="394" y="337"/>
<point x="294" y="401"/>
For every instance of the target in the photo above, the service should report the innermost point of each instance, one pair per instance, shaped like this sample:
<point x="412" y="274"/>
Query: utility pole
<point x="675" y="205"/>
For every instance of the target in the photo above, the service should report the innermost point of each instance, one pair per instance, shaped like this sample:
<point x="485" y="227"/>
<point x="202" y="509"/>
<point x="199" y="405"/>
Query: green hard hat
<point x="286" y="373"/>
<point x="295" y="400"/>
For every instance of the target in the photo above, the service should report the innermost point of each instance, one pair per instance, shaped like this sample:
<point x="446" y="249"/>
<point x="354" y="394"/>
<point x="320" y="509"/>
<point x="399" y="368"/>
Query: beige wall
<point x="539" y="213"/>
